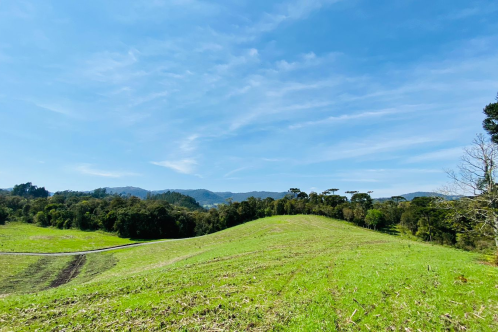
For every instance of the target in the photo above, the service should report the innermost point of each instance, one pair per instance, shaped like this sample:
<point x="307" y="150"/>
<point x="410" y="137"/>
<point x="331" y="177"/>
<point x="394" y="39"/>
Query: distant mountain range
<point x="203" y="196"/>
<point x="411" y="196"/>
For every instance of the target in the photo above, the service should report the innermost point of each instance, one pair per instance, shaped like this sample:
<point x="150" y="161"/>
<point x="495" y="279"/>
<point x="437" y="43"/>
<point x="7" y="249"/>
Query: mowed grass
<point x="22" y="237"/>
<point x="286" y="273"/>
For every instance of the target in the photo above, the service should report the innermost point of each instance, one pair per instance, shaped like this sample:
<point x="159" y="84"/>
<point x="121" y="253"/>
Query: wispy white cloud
<point x="118" y="91"/>
<point x="445" y="154"/>
<point x="209" y="47"/>
<point x="386" y="172"/>
<point x="240" y="169"/>
<point x="292" y="87"/>
<point x="150" y="97"/>
<point x="54" y="108"/>
<point x="19" y="9"/>
<point x="111" y="66"/>
<point x="184" y="166"/>
<point x="130" y="119"/>
<point x="288" y="11"/>
<point x="273" y="160"/>
<point x="266" y="111"/>
<point x="156" y="10"/>
<point x="464" y="13"/>
<point x="346" y="117"/>
<point x="189" y="144"/>
<point x="306" y="61"/>
<point x="250" y="55"/>
<point x="376" y="146"/>
<point x="241" y="91"/>
<point x="88" y="169"/>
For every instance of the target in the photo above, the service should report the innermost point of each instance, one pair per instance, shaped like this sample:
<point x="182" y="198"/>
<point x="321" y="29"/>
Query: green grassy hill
<point x="297" y="273"/>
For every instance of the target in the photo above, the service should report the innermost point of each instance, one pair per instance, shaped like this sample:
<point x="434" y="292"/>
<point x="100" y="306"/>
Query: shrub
<point x="373" y="218"/>
<point x="4" y="214"/>
<point x="42" y="219"/>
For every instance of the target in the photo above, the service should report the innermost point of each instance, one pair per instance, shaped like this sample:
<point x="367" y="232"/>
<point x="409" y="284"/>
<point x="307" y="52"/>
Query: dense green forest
<point x="173" y="215"/>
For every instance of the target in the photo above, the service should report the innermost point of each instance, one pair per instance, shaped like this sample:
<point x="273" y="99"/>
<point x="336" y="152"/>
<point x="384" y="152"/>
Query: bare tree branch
<point x="475" y="181"/>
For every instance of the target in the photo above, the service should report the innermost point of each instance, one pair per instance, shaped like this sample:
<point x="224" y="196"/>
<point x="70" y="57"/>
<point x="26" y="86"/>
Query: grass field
<point x="22" y="237"/>
<point x="287" y="273"/>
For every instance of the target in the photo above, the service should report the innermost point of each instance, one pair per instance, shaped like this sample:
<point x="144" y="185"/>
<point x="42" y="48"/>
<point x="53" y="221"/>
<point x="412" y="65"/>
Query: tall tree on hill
<point x="398" y="199"/>
<point x="351" y="192"/>
<point x="490" y="124"/>
<point x="362" y="199"/>
<point x="100" y="193"/>
<point x="302" y="195"/>
<point x="294" y="191"/>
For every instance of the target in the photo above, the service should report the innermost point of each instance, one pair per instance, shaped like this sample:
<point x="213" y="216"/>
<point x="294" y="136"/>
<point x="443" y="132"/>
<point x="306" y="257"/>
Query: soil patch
<point x="35" y="277"/>
<point x="69" y="272"/>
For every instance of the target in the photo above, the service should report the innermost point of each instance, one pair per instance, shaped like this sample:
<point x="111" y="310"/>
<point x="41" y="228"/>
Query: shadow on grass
<point x="391" y="230"/>
<point x="147" y="240"/>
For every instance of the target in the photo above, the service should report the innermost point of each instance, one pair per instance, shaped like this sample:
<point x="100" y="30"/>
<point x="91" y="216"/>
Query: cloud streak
<point x="375" y="146"/>
<point x="237" y="170"/>
<point x="183" y="166"/>
<point x="440" y="155"/>
<point x="289" y="11"/>
<point x="89" y="169"/>
<point x="347" y="117"/>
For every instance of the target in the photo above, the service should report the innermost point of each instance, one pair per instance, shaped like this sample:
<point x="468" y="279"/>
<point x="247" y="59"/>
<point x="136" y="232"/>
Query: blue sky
<point x="243" y="95"/>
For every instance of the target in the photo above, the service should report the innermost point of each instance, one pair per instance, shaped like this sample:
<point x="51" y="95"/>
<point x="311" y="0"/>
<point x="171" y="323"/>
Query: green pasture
<point x="22" y="237"/>
<point x="284" y="273"/>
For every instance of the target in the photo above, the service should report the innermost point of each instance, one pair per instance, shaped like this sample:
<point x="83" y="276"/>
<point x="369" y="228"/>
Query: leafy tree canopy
<point x="490" y="124"/>
<point x="29" y="190"/>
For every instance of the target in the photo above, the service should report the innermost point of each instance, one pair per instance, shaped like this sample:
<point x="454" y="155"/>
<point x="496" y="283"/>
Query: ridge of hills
<point x="411" y="196"/>
<point x="203" y="196"/>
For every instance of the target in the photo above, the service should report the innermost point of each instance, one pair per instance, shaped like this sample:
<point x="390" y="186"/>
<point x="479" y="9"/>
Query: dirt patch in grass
<point x="45" y="273"/>
<point x="69" y="272"/>
<point x="36" y="277"/>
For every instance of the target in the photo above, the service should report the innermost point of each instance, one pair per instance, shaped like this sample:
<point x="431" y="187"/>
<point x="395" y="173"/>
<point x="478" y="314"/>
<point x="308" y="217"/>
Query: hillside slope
<point x="280" y="273"/>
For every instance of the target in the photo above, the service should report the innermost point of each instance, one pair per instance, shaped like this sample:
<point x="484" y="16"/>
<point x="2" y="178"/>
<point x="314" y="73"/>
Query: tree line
<point x="173" y="215"/>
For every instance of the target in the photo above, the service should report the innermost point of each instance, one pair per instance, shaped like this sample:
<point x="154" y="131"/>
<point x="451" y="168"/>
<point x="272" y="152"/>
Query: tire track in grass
<point x="70" y="272"/>
<point x="307" y="261"/>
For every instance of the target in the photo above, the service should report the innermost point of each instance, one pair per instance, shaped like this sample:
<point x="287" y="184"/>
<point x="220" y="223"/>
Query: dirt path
<point x="95" y="250"/>
<point x="69" y="272"/>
